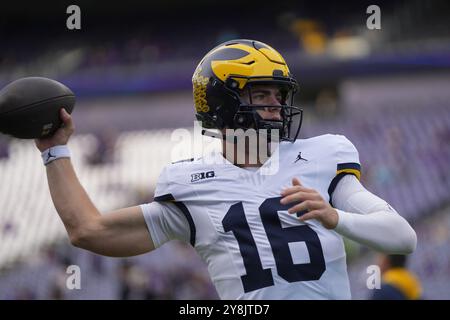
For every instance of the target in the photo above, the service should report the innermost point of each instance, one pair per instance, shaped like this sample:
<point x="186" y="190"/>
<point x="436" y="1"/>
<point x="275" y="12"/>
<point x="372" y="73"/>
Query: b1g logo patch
<point x="202" y="175"/>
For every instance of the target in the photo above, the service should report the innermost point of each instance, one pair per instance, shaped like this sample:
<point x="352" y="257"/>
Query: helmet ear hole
<point x="232" y="84"/>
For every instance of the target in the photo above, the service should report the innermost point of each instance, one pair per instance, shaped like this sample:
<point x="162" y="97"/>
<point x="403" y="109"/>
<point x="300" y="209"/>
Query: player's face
<point x="267" y="95"/>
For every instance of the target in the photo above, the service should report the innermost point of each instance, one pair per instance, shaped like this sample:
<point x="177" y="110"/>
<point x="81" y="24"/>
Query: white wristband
<point x="54" y="153"/>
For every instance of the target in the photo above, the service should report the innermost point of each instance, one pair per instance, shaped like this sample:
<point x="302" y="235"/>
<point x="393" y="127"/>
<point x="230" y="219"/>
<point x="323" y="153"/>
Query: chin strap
<point x="213" y="134"/>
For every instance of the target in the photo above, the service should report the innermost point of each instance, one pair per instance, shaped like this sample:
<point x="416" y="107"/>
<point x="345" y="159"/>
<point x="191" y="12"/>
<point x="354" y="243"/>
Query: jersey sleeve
<point x="163" y="191"/>
<point x="174" y="197"/>
<point x="347" y="162"/>
<point x="165" y="222"/>
<point x="173" y="184"/>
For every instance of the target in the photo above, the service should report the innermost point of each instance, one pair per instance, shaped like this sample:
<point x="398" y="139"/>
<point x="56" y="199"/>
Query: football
<point x="29" y="107"/>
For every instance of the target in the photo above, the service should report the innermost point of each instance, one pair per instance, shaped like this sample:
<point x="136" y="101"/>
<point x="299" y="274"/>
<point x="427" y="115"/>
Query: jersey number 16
<point x="279" y="238"/>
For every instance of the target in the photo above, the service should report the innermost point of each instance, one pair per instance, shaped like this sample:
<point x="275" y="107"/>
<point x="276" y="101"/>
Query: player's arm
<point x="370" y="220"/>
<point x="119" y="233"/>
<point x="361" y="216"/>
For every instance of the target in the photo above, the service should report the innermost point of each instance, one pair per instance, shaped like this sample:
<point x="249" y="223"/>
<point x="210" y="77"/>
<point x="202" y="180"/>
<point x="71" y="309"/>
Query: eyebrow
<point x="264" y="91"/>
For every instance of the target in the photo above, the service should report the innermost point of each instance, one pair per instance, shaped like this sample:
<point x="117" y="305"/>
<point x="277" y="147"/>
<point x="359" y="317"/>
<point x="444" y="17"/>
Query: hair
<point x="397" y="260"/>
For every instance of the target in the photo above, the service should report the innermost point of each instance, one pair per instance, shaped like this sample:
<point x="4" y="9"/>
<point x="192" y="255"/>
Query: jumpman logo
<point x="50" y="155"/>
<point x="299" y="157"/>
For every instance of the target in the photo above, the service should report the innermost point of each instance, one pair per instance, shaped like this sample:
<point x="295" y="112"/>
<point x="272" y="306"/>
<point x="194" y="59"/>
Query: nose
<point x="273" y="113"/>
<point x="273" y="101"/>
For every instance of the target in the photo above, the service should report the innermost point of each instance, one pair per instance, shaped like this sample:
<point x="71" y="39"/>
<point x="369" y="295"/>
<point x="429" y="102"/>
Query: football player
<point x="262" y="236"/>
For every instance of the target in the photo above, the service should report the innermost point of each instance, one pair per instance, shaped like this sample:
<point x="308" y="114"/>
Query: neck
<point x="245" y="156"/>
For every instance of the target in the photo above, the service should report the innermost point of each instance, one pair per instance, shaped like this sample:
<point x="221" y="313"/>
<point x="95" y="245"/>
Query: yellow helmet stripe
<point x="249" y="65"/>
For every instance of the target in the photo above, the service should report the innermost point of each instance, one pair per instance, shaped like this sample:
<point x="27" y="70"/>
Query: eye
<point x="279" y="97"/>
<point x="258" y="96"/>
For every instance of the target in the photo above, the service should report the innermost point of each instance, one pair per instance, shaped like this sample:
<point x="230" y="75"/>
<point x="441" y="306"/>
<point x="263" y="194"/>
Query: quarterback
<point x="262" y="236"/>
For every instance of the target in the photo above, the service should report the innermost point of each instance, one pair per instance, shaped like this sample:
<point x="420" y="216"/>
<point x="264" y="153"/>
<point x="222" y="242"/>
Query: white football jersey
<point x="233" y="218"/>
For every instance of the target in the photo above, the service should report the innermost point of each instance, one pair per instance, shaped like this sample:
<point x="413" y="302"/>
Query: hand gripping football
<point x="29" y="107"/>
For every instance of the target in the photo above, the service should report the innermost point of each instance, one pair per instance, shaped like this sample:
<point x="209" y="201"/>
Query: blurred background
<point x="131" y="64"/>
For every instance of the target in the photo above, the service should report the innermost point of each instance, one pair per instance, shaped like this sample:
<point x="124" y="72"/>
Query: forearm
<point x="119" y="233"/>
<point x="71" y="201"/>
<point x="367" y="219"/>
<point x="383" y="231"/>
